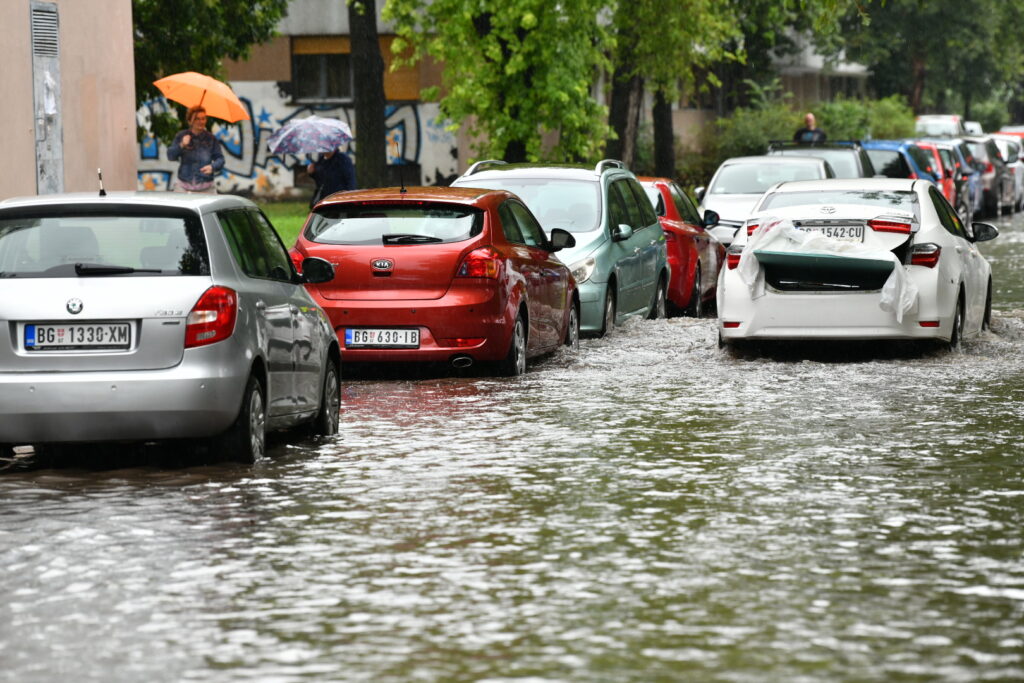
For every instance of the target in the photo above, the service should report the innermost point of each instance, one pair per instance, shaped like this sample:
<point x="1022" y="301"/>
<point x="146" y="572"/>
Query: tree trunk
<point x="664" y="138"/>
<point x="919" y="66"/>
<point x="618" y="113"/>
<point x="368" y="67"/>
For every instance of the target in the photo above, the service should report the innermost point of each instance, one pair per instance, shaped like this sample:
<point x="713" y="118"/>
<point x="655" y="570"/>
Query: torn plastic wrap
<point x="776" y="236"/>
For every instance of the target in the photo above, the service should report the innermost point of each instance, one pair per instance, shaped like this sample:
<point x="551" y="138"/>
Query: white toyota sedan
<point x="855" y="259"/>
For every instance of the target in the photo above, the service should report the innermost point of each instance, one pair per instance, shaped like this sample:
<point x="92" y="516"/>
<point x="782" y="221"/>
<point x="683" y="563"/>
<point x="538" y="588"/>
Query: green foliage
<point x="852" y="119"/>
<point x="748" y="131"/>
<point x="891" y="118"/>
<point x="287" y="217"/>
<point x="991" y="114"/>
<point x="514" y="70"/>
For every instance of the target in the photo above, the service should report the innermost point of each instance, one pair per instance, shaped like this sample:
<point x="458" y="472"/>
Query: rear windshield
<point x="889" y="163"/>
<point x="843" y="161"/>
<point x="756" y="178"/>
<point x="886" y="199"/>
<point x="573" y="205"/>
<point x="394" y="224"/>
<point x="45" y="243"/>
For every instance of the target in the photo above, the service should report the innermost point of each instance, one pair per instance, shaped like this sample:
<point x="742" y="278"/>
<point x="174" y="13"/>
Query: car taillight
<point x="989" y="167"/>
<point x="926" y="255"/>
<point x="296" y="260"/>
<point x="732" y="257"/>
<point x="212" y="319"/>
<point x="751" y="228"/>
<point x="882" y="225"/>
<point x="482" y="262"/>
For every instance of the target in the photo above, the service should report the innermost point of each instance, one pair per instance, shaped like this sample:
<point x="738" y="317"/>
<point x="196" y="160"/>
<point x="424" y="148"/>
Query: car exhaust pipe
<point x="462" y="361"/>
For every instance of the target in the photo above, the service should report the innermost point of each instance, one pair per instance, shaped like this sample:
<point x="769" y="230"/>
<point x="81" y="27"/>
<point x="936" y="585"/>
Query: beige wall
<point x="97" y="95"/>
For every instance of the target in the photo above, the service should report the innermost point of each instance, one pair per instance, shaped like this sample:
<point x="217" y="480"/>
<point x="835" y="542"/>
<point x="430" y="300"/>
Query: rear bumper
<point x="198" y="398"/>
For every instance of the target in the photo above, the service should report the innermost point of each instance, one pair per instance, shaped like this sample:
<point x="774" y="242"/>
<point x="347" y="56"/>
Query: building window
<point x="321" y="69"/>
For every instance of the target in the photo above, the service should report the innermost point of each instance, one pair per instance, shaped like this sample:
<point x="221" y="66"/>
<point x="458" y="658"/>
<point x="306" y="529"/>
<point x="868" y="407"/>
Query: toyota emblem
<point x="828" y="209"/>
<point x="382" y="264"/>
<point x="74" y="306"/>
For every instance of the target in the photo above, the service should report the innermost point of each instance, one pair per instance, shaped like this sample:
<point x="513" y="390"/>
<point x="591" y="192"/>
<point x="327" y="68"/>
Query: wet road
<point x="650" y="510"/>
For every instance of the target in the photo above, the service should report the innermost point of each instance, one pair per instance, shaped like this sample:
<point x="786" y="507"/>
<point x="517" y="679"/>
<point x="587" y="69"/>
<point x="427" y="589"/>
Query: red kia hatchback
<point x="456" y="275"/>
<point x="694" y="255"/>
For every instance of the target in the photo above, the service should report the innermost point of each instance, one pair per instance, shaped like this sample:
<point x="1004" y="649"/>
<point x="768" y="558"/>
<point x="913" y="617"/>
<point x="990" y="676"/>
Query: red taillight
<point x="461" y="342"/>
<point x="751" y="228"/>
<point x="881" y="225"/>
<point x="482" y="262"/>
<point x="913" y="176"/>
<point x="296" y="260"/>
<point x="730" y="323"/>
<point x="732" y="256"/>
<point x="926" y="255"/>
<point x="212" y="319"/>
<point x="928" y="323"/>
<point x="989" y="167"/>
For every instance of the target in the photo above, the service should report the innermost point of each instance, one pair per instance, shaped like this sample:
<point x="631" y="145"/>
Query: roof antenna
<point x="399" y="161"/>
<point x="99" y="172"/>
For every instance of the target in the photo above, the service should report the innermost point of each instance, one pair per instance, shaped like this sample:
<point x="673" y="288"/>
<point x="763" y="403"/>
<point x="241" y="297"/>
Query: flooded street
<point x="651" y="509"/>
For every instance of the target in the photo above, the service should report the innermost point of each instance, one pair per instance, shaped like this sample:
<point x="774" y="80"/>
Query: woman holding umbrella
<point x="200" y="154"/>
<point x="335" y="172"/>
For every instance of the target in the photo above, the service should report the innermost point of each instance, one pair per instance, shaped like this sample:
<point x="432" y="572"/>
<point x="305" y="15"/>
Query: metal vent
<point x="45" y="35"/>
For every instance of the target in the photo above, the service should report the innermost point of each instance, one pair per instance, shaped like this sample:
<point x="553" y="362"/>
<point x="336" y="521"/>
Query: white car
<point x="1010" y="147"/>
<point x="855" y="259"/>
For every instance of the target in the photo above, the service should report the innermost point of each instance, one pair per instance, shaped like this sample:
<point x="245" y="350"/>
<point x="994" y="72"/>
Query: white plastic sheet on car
<point x="899" y="293"/>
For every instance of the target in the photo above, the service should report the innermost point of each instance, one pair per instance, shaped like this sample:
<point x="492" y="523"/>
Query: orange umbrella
<point x="191" y="89"/>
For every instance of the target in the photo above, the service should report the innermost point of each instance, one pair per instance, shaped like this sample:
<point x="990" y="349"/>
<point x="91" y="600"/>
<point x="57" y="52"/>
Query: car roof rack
<point x="614" y="163"/>
<point x="481" y="165"/>
<point x="776" y="144"/>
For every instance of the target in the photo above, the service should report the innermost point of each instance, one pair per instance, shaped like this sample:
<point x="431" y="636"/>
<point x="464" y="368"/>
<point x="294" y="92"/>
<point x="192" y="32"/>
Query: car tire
<point x="329" y="415"/>
<point x="246" y="439"/>
<point x="957" y="333"/>
<point x="658" y="307"/>
<point x="608" y="320"/>
<point x="514" y="363"/>
<point x="572" y="330"/>
<point x="986" y="321"/>
<point x="696" y="306"/>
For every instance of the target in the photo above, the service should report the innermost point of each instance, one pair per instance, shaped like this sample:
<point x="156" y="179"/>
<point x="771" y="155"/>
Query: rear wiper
<point x="409" y="239"/>
<point x="92" y="269"/>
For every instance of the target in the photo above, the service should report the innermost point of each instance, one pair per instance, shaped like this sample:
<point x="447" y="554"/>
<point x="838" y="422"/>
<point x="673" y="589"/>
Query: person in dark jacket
<point x="200" y="154"/>
<point x="810" y="133"/>
<point x="334" y="172"/>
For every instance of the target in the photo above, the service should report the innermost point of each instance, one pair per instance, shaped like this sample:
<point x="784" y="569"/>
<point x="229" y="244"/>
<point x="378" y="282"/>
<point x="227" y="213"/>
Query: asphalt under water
<point x="649" y="509"/>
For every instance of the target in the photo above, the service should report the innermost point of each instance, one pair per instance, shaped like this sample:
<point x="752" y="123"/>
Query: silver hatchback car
<point x="153" y="316"/>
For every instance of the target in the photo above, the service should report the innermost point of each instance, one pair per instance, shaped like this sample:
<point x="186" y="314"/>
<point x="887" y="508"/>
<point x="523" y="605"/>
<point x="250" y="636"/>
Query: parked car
<point x="900" y="159"/>
<point x="940" y="125"/>
<point x="941" y="167"/>
<point x="996" y="179"/>
<point x="694" y="255"/>
<point x="619" y="262"/>
<point x="973" y="128"/>
<point x="739" y="183"/>
<point x="152" y="316"/>
<point x="1011" y="151"/>
<point x="847" y="157"/>
<point x="856" y="259"/>
<point x="438" y="274"/>
<point x="966" y="177"/>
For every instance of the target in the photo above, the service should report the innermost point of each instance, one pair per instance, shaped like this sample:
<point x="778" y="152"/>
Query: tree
<point x="372" y="168"/>
<point x="514" y="70"/>
<point x="195" y="35"/>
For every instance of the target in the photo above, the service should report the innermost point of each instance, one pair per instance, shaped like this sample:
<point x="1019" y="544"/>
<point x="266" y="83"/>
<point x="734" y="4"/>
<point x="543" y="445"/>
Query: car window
<point x="923" y="159"/>
<point x="278" y="263"/>
<point x="654" y="196"/>
<point x="573" y="205"/>
<point x="843" y="161"/>
<point x="755" y="178"/>
<point x="947" y="158"/>
<point x="509" y="224"/>
<point x="889" y="163"/>
<point x="48" y="242"/>
<point x="533" y="234"/>
<point x="684" y="205"/>
<point x="647" y="215"/>
<point x="947" y="216"/>
<point x="633" y="216"/>
<point x="387" y="223"/>
<point x="866" y="165"/>
<point x="246" y="244"/>
<point x="905" y="200"/>
<point x="617" y="212"/>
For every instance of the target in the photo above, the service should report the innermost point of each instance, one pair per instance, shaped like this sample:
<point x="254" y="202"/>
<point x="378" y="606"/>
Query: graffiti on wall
<point x="416" y="135"/>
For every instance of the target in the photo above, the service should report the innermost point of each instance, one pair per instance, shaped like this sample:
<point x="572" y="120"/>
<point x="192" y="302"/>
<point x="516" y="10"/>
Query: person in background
<point x="334" y="172"/>
<point x="200" y="154"/>
<point x="810" y="132"/>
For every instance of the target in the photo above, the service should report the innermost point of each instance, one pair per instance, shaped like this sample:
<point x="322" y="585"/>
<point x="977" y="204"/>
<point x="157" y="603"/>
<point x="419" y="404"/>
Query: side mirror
<point x="698" y="192"/>
<point x="711" y="219"/>
<point x="316" y="270"/>
<point x="621" y="232"/>
<point x="561" y="239"/>
<point x="983" y="232"/>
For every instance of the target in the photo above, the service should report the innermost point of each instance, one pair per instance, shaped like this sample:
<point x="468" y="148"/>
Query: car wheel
<point x="696" y="307"/>
<point x="326" y="421"/>
<point x="957" y="333"/>
<point x="660" y="297"/>
<point x="572" y="330"/>
<point x="608" y="321"/>
<point x="986" y="321"/>
<point x="246" y="439"/>
<point x="514" y="363"/>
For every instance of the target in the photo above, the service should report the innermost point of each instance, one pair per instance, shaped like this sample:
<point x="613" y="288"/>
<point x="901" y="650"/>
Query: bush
<point x="891" y="118"/>
<point x="991" y="114"/>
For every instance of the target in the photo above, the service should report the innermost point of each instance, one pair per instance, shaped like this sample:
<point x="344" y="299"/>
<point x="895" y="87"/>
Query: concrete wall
<point x="97" y="95"/>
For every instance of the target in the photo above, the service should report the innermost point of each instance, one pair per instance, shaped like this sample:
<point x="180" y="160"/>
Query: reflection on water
<point x="651" y="509"/>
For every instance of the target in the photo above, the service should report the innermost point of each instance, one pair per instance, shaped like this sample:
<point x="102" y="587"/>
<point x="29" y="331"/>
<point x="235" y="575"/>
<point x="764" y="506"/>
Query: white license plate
<point x="69" y="337"/>
<point x="846" y="233"/>
<point x="382" y="338"/>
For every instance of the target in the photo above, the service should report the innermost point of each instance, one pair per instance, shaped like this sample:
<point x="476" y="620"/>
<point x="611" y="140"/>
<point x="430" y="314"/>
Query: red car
<point x="694" y="255"/>
<point x="456" y="275"/>
<point x="942" y="172"/>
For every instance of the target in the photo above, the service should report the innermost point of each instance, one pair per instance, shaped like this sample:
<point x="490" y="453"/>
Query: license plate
<point x="847" y="233"/>
<point x="382" y="338"/>
<point x="71" y="337"/>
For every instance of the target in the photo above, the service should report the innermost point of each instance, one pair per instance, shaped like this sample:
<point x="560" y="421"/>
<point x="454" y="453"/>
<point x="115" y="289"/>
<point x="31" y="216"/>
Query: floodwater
<point x="652" y="509"/>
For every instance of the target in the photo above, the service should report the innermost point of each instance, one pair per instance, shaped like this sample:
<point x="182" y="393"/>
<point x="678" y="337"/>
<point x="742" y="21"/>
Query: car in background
<point x="901" y="159"/>
<point x="156" y="316"/>
<point x="440" y="274"/>
<point x="940" y="125"/>
<point x="739" y="182"/>
<point x="1010" y="148"/>
<point x="973" y="128"/>
<point x="966" y="176"/>
<point x="940" y="165"/>
<point x="619" y="262"/>
<point x="856" y="259"/>
<point x="996" y="179"/>
<point x="847" y="157"/>
<point x="694" y="255"/>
